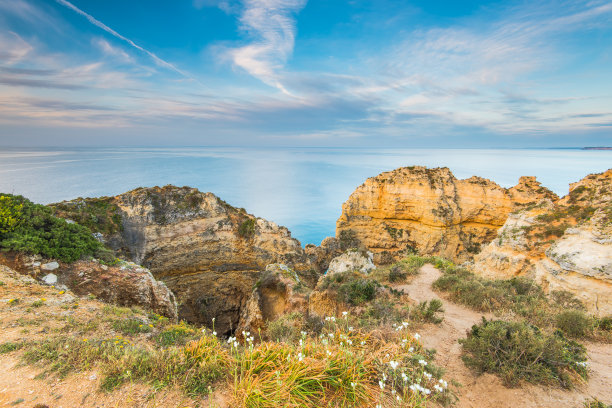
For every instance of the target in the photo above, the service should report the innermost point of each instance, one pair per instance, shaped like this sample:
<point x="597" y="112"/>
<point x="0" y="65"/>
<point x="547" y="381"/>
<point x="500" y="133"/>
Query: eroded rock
<point x="432" y="212"/>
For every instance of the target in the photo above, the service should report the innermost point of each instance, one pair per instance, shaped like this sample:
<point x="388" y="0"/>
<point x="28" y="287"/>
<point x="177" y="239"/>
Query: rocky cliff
<point x="432" y="212"/>
<point x="564" y="245"/>
<point x="209" y="253"/>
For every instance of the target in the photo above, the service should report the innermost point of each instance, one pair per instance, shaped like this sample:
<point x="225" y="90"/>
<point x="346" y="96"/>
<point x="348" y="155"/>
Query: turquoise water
<point x="301" y="188"/>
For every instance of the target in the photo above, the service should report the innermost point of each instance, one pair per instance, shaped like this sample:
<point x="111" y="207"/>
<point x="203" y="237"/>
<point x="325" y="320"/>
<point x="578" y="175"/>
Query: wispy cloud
<point x="112" y="32"/>
<point x="13" y="48"/>
<point x="271" y="26"/>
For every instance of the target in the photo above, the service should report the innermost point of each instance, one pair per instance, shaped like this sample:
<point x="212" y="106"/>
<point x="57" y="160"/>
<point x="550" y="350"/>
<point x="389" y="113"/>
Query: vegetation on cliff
<point x="31" y="228"/>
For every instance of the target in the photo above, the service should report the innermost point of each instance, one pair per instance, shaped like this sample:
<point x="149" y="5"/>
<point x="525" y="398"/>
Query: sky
<point x="358" y="73"/>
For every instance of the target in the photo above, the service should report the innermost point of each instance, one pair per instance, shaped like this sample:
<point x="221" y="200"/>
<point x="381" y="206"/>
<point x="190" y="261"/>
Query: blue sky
<point x="306" y="73"/>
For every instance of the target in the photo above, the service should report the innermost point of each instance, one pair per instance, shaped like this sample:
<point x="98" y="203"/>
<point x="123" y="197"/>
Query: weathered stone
<point x="351" y="261"/>
<point x="565" y="245"/>
<point x="122" y="287"/>
<point x="51" y="266"/>
<point x="50" y="279"/>
<point x="429" y="210"/>
<point x="209" y="253"/>
<point x="277" y="292"/>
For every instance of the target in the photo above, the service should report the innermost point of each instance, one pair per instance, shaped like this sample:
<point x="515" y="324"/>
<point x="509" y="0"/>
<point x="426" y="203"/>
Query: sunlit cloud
<point x="271" y="27"/>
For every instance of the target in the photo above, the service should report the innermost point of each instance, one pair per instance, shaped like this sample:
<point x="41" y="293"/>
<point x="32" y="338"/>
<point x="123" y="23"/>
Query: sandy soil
<point x="480" y="391"/>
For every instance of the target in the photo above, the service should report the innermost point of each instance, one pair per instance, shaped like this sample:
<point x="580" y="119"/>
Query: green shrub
<point x="247" y="228"/>
<point x="97" y="214"/>
<point x="575" y="323"/>
<point x="518" y="351"/>
<point x="37" y="231"/>
<point x="427" y="311"/>
<point x="604" y="323"/>
<point x="358" y="291"/>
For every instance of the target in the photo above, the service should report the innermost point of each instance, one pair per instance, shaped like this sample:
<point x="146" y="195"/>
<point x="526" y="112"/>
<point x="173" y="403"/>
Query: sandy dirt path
<point x="481" y="391"/>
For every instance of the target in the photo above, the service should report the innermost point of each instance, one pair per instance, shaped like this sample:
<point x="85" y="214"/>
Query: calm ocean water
<point x="301" y="188"/>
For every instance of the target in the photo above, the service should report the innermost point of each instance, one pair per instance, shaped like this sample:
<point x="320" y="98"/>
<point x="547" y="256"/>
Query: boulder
<point x="351" y="261"/>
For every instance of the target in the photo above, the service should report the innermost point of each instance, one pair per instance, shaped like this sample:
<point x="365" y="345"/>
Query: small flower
<point x="344" y="314"/>
<point x="62" y="292"/>
<point x="411" y="349"/>
<point x="417" y="336"/>
<point x="393" y="364"/>
<point x="444" y="383"/>
<point x="404" y="377"/>
<point x="353" y="384"/>
<point x="214" y="333"/>
<point x="423" y="363"/>
<point x="381" y="385"/>
<point x="43" y="299"/>
<point x="427" y="375"/>
<point x="213" y="319"/>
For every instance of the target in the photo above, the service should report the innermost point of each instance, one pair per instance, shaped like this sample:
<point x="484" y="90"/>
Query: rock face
<point x="279" y="291"/>
<point x="209" y="253"/>
<point x="125" y="284"/>
<point x="429" y="210"/>
<point x="564" y="245"/>
<point x="351" y="261"/>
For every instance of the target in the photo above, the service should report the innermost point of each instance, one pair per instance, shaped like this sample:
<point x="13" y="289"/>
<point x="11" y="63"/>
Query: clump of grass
<point x="343" y="366"/>
<point x="518" y="351"/>
<point x="595" y="403"/>
<point x="131" y="326"/>
<point x="176" y="334"/>
<point x="10" y="346"/>
<point x="194" y="367"/>
<point x="427" y="312"/>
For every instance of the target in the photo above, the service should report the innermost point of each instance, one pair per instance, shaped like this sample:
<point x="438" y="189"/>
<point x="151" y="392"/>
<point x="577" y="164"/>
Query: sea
<point x="300" y="188"/>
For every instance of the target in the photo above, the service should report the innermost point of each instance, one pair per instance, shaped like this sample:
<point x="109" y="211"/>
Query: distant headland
<point x="597" y="148"/>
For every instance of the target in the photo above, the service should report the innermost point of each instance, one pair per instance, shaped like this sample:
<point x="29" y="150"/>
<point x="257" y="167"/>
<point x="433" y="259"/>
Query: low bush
<point x="247" y="228"/>
<point x="575" y="323"/>
<point x="518" y="351"/>
<point x="31" y="228"/>
<point x="351" y="287"/>
<point x="427" y="312"/>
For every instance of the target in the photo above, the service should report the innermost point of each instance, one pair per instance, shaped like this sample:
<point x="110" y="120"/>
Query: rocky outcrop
<point x="124" y="284"/>
<point x="351" y="261"/>
<point x="320" y="256"/>
<point x="279" y="291"/>
<point x="432" y="212"/>
<point x="209" y="253"/>
<point x="563" y="245"/>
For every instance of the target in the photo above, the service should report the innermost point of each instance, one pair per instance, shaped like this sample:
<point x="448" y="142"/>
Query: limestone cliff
<point x="564" y="245"/>
<point x="431" y="211"/>
<point x="209" y="253"/>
